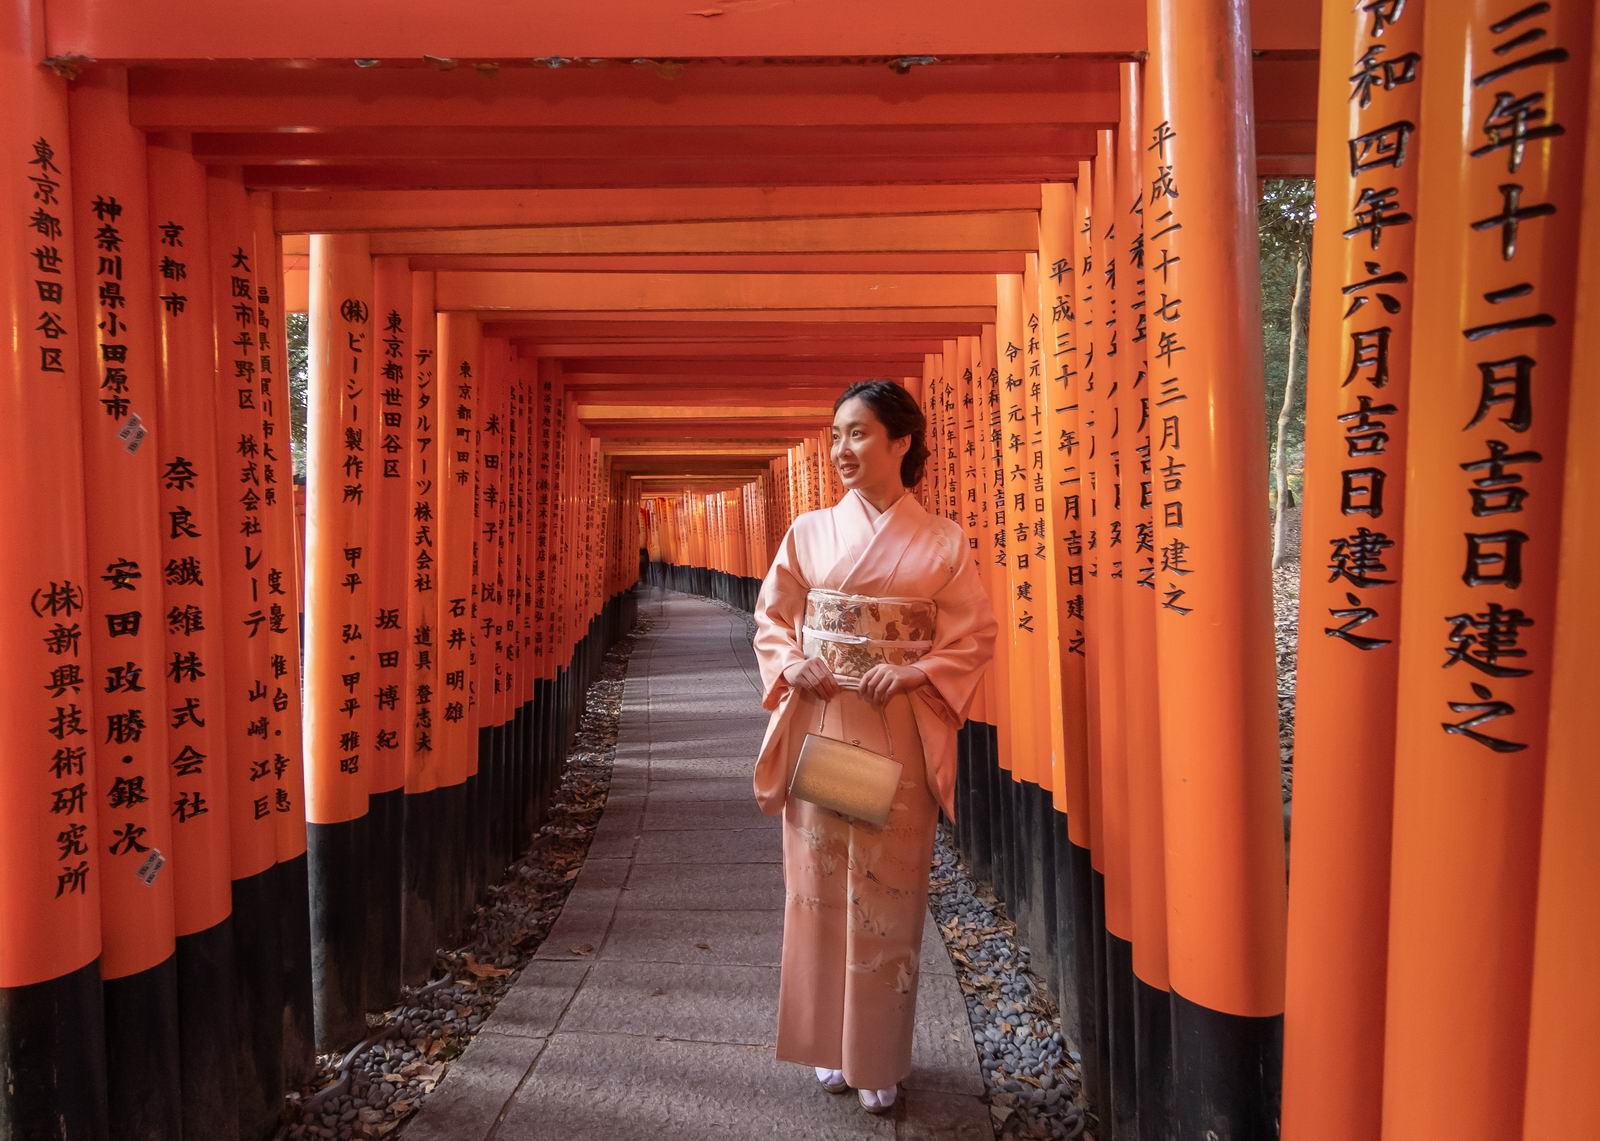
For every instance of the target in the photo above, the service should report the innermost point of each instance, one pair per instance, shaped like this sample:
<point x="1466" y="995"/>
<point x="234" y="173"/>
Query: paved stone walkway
<point x="650" y="1012"/>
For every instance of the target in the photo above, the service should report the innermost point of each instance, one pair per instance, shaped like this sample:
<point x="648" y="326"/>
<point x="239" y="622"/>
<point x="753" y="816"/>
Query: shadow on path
<point x="650" y="1011"/>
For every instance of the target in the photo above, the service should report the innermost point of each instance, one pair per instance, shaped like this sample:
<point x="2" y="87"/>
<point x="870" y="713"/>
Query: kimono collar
<point x="870" y="555"/>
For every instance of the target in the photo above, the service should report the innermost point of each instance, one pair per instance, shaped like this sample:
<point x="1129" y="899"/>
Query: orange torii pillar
<point x="1147" y="874"/>
<point x="126" y="738"/>
<point x="1219" y="742"/>
<point x="1493" y="331"/>
<point x="342" y="462"/>
<point x="1091" y="380"/>
<point x="1563" y="1039"/>
<point x="1046" y="705"/>
<point x="1025" y="618"/>
<point x="982" y="828"/>
<point x="518" y="690"/>
<point x="460" y="377"/>
<point x="1111" y="592"/>
<point x="492" y="834"/>
<point x="191" y="476"/>
<point x="283" y="594"/>
<point x="543" y="522"/>
<point x="388" y="470"/>
<point x="1064" y="451"/>
<point x="256" y="793"/>
<point x="51" y="1009"/>
<point x="1349" y="649"/>
<point x="425" y="863"/>
<point x="991" y="469"/>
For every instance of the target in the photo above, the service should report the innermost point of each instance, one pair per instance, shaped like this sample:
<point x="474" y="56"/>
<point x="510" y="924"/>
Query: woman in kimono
<point x="872" y="626"/>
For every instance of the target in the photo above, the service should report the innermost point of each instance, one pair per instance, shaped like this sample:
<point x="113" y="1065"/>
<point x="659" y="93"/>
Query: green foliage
<point x="1285" y="214"/>
<point x="297" y="328"/>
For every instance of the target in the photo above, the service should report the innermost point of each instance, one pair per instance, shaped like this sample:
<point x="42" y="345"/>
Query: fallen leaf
<point x="485" y="970"/>
<point x="584" y="949"/>
<point x="703" y="946"/>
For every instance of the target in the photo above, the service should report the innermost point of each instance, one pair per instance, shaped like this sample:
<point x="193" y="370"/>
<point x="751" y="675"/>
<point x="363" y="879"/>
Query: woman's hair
<point x="897" y="410"/>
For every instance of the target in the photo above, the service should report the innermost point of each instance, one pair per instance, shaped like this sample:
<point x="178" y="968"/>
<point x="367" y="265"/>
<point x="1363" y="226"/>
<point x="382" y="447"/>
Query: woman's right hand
<point x="814" y="677"/>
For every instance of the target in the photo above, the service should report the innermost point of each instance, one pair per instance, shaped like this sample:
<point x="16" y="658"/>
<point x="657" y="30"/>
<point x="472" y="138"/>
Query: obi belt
<point x="854" y="632"/>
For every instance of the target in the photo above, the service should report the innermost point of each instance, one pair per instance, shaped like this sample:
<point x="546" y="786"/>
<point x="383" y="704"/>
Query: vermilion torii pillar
<point x="1147" y="882"/>
<point x="459" y="381"/>
<point x="1363" y="279"/>
<point x="256" y="792"/>
<point x="1219" y="742"/>
<point x="1497" y="224"/>
<point x="128" y="734"/>
<point x="1063" y="530"/>
<point x="341" y="471"/>
<point x="52" y="1033"/>
<point x="282" y="599"/>
<point x="191" y="477"/>
<point x="423" y="873"/>
<point x="390" y="465"/>
<point x="1563" y="1041"/>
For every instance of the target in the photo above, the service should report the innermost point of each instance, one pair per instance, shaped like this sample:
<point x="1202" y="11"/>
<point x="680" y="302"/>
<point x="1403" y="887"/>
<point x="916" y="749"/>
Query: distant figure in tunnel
<point x="873" y="624"/>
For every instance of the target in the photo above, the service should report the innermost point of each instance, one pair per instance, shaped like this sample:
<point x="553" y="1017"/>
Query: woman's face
<point x="863" y="453"/>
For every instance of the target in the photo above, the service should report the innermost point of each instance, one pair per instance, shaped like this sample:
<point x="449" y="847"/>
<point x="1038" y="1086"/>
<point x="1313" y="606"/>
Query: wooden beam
<point x="963" y="315"/>
<point x="974" y="263"/>
<point x="643" y="292"/>
<point x="1010" y="230"/>
<point x="385" y="210"/>
<point x="622" y="172"/>
<point x="637" y="146"/>
<point x="708" y="93"/>
<point x="574" y="30"/>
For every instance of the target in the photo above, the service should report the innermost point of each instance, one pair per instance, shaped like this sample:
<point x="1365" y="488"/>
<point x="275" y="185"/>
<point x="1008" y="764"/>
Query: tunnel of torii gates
<point x="582" y="282"/>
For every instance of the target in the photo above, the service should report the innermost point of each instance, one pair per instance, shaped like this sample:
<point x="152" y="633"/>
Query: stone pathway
<point x="650" y="1010"/>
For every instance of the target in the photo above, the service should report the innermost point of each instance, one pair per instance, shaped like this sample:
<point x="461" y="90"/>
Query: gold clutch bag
<point x="854" y="782"/>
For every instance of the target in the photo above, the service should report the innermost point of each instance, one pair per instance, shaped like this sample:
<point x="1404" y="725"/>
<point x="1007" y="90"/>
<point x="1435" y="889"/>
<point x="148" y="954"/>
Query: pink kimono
<point x="856" y="896"/>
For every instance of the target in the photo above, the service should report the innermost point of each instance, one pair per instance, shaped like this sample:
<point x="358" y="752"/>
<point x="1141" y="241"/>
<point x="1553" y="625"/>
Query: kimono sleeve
<point x="780" y="605"/>
<point x="963" y="643"/>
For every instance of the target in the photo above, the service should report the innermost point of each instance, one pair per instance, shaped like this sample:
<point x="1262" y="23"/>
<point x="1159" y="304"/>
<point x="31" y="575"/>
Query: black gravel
<point x="1030" y="1070"/>
<point x="374" y="1088"/>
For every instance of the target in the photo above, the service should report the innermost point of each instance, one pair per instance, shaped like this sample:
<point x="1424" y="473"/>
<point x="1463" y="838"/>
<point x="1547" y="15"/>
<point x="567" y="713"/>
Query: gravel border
<point x="375" y="1087"/>
<point x="1031" y="1072"/>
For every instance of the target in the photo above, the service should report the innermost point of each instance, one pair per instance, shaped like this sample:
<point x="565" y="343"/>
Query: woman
<point x="875" y="565"/>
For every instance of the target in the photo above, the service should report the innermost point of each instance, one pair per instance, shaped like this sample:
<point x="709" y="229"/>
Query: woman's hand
<point x="884" y="681"/>
<point x="814" y="677"/>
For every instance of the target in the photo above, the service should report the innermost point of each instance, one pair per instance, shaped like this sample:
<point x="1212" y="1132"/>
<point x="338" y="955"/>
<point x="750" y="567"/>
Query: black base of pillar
<point x="293" y="889"/>
<point x="337" y="856"/>
<point x="206" y="1033"/>
<point x="1152" y="1062"/>
<point x="1092" y="1001"/>
<point x="421" y="885"/>
<point x="1120" y="1052"/>
<point x="386" y="823"/>
<point x="258" y="913"/>
<point x="53" y="1053"/>
<point x="1042" y="889"/>
<point x="451" y="861"/>
<point x="1072" y="883"/>
<point x="143" y="1090"/>
<point x="1226" y="1073"/>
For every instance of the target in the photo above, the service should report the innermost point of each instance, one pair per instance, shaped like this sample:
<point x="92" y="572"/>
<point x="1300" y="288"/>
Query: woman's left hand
<point x="884" y="681"/>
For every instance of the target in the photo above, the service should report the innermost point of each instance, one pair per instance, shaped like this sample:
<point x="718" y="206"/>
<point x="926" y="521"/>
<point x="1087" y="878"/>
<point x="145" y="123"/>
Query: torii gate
<point x="582" y="281"/>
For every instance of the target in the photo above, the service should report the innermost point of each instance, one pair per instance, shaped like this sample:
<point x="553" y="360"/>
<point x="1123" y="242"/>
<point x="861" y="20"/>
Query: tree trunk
<point x="1280" y="467"/>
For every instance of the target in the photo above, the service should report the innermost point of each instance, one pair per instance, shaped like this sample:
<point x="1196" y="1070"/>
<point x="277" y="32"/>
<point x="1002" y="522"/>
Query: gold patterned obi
<point x="854" y="632"/>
